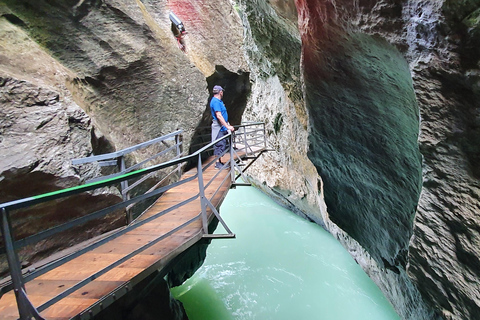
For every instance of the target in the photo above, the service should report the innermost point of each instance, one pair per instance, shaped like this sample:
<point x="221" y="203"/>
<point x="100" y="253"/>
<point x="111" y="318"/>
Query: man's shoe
<point x="219" y="165"/>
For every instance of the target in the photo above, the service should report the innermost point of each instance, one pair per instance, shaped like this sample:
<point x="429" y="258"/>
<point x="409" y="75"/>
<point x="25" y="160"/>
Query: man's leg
<point x="220" y="147"/>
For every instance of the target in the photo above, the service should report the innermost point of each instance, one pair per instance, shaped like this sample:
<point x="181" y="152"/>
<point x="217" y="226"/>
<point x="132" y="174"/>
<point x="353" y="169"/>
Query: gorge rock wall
<point x="371" y="109"/>
<point x="41" y="130"/>
<point x="126" y="70"/>
<point x="87" y="77"/>
<point x="273" y="50"/>
<point x="344" y="82"/>
<point x="390" y="90"/>
<point x="293" y="123"/>
<point x="445" y="249"/>
<point x="355" y="55"/>
<point x="113" y="48"/>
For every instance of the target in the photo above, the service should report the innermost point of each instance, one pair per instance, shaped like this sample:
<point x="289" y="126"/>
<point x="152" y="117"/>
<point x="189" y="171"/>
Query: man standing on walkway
<point x="220" y="124"/>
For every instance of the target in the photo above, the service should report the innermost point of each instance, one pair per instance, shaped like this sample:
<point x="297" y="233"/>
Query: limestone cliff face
<point x="364" y="130"/>
<point x="41" y="129"/>
<point x="87" y="77"/>
<point x="371" y="109"/>
<point x="362" y="62"/>
<point x="444" y="256"/>
<point x="129" y="74"/>
<point x="273" y="48"/>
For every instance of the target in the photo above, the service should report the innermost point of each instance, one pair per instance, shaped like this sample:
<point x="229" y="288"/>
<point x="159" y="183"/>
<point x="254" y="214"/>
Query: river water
<point x="280" y="266"/>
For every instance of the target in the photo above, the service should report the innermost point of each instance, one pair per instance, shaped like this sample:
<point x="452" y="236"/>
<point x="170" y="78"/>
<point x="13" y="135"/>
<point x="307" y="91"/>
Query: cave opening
<point x="237" y="89"/>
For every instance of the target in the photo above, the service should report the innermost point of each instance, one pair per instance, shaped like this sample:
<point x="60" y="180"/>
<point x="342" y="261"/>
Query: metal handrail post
<point x="235" y="140"/>
<point x="264" y="136"/>
<point x="25" y="309"/>
<point x="179" y="152"/>
<point x="245" y="140"/>
<point x="232" y="160"/>
<point x="201" y="189"/>
<point x="124" y="186"/>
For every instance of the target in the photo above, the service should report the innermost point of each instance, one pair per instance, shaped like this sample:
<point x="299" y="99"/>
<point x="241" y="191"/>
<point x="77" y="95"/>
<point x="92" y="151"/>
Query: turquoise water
<point x="280" y="266"/>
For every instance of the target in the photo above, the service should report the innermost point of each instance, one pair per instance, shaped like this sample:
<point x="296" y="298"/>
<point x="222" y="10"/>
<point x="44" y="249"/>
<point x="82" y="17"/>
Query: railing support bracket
<point x="219" y="236"/>
<point x="234" y="185"/>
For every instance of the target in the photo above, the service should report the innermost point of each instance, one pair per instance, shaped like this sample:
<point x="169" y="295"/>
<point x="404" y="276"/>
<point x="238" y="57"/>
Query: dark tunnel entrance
<point x="237" y="89"/>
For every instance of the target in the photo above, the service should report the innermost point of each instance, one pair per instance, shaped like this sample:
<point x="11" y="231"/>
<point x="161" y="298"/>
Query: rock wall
<point x="390" y="90"/>
<point x="87" y="77"/>
<point x="129" y="74"/>
<point x="41" y="130"/>
<point x="371" y="109"/>
<point x="273" y="50"/>
<point x="445" y="249"/>
<point x="349" y="67"/>
<point x="284" y="96"/>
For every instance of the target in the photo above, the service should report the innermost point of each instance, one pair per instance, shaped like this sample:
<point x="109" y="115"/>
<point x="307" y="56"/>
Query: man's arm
<point x="220" y="118"/>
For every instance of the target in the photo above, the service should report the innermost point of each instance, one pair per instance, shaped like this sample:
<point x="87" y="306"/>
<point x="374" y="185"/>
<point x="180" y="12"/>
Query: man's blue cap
<point x="217" y="89"/>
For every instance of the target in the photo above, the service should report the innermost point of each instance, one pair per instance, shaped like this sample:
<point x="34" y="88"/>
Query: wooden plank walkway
<point x="121" y="278"/>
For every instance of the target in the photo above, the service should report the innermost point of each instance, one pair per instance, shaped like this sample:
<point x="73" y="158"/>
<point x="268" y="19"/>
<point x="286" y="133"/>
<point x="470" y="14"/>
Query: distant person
<point x="220" y="124"/>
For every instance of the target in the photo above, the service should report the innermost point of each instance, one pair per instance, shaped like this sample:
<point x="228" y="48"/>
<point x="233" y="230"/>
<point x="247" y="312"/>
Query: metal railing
<point x="117" y="159"/>
<point x="12" y="246"/>
<point x="247" y="137"/>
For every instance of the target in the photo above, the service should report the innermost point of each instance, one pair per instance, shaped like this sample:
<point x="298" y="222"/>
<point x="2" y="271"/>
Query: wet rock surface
<point x="364" y="143"/>
<point x="444" y="251"/>
<point x="436" y="38"/>
<point x="273" y="49"/>
<point x="364" y="130"/>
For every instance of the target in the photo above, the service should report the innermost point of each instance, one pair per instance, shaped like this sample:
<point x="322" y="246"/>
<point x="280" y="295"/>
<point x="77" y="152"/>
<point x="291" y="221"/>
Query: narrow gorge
<point x="371" y="107"/>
